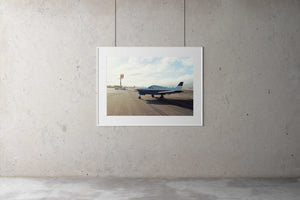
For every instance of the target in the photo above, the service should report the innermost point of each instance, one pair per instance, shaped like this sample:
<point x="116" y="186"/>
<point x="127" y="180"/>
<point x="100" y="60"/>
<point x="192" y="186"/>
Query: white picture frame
<point x="196" y="53"/>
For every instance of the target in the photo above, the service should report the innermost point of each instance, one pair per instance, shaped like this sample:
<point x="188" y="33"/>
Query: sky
<point x="146" y="71"/>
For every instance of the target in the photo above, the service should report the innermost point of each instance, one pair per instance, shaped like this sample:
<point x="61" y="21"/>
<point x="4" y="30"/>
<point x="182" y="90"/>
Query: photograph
<point x="150" y="86"/>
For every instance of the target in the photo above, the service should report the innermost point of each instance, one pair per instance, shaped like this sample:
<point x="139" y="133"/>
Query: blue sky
<point x="146" y="71"/>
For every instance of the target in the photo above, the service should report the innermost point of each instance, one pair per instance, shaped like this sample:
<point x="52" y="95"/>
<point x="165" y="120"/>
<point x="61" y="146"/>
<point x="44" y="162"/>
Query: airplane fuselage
<point x="144" y="92"/>
<point x="159" y="90"/>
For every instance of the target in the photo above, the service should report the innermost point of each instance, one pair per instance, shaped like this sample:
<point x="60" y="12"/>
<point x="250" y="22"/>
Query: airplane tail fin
<point x="179" y="86"/>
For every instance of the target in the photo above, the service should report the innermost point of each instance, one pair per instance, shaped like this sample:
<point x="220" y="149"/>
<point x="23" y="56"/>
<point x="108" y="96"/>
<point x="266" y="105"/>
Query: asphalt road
<point x="126" y="102"/>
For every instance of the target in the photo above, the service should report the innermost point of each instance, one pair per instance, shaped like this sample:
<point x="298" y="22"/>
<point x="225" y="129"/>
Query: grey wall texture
<point x="48" y="89"/>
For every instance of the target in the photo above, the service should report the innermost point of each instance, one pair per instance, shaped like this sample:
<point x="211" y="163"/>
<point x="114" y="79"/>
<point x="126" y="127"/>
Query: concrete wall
<point x="48" y="91"/>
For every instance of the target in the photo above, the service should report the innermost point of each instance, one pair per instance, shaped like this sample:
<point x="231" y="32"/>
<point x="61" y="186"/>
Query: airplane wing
<point x="169" y="91"/>
<point x="166" y="91"/>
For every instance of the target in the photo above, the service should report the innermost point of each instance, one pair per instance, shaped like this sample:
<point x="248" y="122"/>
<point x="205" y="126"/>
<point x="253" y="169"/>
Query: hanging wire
<point x="115" y="23"/>
<point x="184" y="42"/>
<point x="184" y="27"/>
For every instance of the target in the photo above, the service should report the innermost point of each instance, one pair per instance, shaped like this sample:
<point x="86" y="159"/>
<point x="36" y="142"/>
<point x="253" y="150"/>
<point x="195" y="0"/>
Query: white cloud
<point x="187" y="62"/>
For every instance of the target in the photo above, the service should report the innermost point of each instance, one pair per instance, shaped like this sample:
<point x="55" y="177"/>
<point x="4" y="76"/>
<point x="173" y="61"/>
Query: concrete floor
<point x="148" y="189"/>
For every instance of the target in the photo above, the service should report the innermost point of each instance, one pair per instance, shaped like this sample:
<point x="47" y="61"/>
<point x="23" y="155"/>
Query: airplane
<point x="159" y="90"/>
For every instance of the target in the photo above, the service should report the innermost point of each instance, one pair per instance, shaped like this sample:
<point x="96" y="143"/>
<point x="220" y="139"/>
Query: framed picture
<point x="150" y="86"/>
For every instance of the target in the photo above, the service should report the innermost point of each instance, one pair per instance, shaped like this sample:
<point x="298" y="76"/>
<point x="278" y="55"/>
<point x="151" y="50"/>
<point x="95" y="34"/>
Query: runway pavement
<point x="126" y="102"/>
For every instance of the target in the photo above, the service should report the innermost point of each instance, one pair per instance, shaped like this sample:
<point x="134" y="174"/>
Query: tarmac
<point x="126" y="102"/>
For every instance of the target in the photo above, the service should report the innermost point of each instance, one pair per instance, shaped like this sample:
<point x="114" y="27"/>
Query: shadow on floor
<point x="186" y="103"/>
